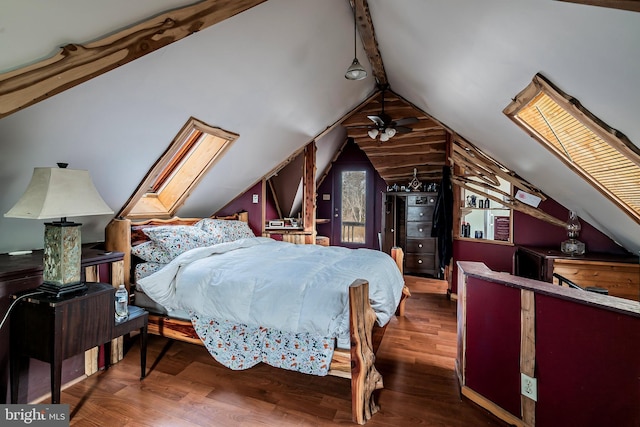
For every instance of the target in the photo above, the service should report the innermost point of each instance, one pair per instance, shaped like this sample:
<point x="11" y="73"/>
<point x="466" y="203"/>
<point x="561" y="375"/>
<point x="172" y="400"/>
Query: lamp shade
<point x="355" y="71"/>
<point x="59" y="193"/>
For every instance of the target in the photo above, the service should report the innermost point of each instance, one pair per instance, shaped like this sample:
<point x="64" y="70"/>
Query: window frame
<point x="614" y="138"/>
<point x="147" y="201"/>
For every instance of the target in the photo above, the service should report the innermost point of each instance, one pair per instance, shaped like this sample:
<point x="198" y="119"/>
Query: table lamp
<point x="573" y="246"/>
<point x="60" y="193"/>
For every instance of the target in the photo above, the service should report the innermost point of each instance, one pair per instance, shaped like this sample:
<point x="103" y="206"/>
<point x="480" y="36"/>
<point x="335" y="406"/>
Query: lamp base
<point x="572" y="247"/>
<point x="62" y="291"/>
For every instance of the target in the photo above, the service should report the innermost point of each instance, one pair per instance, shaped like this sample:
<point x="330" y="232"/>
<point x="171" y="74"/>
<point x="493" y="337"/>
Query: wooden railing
<point x="580" y="348"/>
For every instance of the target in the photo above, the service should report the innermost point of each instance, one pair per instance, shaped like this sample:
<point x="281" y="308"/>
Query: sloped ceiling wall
<point x="462" y="62"/>
<point x="276" y="80"/>
<point x="274" y="74"/>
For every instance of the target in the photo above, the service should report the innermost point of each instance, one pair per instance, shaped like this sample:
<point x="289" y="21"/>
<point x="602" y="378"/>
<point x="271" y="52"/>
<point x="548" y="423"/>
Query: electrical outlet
<point x="255" y="198"/>
<point x="529" y="387"/>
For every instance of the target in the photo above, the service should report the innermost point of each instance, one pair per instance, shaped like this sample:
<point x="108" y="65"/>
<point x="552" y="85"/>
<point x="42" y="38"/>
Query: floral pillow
<point x="234" y="230"/>
<point x="151" y="252"/>
<point x="225" y="230"/>
<point x="214" y="227"/>
<point x="147" y="269"/>
<point x="177" y="239"/>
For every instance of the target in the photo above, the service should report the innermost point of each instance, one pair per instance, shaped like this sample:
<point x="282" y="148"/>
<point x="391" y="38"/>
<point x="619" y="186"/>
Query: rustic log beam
<point x="369" y="41"/>
<point x="631" y="5"/>
<point x="77" y="63"/>
<point x="464" y="152"/>
<point x="365" y="379"/>
<point x="528" y="350"/>
<point x="513" y="204"/>
<point x="309" y="192"/>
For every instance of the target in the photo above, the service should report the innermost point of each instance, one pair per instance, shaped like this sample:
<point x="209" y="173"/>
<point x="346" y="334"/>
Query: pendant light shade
<point x="355" y="71"/>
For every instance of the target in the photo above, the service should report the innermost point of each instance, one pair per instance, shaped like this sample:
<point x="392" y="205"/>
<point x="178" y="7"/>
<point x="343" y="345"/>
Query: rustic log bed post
<point x="365" y="378"/>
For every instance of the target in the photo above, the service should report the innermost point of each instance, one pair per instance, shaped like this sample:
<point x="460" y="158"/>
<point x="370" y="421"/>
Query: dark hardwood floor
<point x="186" y="387"/>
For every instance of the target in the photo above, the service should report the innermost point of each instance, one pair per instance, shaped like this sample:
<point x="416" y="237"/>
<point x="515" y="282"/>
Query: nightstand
<point x="138" y="319"/>
<point x="51" y="330"/>
<point x="23" y="272"/>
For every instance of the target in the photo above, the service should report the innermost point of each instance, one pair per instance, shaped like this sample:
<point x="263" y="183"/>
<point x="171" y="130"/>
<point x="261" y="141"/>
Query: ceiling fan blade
<point x="377" y="120"/>
<point x="406" y="121"/>
<point x="402" y="129"/>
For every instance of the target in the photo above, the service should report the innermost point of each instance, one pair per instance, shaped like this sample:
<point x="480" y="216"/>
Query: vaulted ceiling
<point x="422" y="148"/>
<point x="274" y="74"/>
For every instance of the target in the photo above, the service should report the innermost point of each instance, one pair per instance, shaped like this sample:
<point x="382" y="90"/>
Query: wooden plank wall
<point x="620" y="279"/>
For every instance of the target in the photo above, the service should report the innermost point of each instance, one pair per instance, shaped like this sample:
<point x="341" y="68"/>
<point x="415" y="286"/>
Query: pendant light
<point x="355" y="70"/>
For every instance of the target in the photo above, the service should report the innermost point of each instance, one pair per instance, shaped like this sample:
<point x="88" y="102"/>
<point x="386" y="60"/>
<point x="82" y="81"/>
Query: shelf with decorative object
<point x="483" y="217"/>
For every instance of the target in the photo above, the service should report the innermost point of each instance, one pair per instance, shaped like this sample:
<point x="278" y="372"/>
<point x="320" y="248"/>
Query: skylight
<point x="192" y="153"/>
<point x="601" y="155"/>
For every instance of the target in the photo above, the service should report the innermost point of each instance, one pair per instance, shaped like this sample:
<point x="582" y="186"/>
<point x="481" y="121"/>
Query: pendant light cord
<point x="354" y="29"/>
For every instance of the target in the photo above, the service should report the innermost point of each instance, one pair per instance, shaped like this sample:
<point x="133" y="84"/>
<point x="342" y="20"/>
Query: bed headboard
<point x="121" y="234"/>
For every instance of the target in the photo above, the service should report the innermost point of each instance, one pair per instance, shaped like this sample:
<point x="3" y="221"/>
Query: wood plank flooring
<point x="185" y="386"/>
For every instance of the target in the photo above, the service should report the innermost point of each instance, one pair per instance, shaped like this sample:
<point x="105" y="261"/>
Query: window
<point x="192" y="153"/>
<point x="601" y="155"/>
<point x="354" y="206"/>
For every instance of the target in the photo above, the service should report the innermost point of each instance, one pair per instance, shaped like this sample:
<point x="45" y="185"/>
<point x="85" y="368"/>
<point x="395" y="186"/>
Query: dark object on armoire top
<point x="442" y="225"/>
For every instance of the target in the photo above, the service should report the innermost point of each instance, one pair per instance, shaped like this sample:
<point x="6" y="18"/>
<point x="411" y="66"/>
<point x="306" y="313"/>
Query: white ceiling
<point x="274" y="75"/>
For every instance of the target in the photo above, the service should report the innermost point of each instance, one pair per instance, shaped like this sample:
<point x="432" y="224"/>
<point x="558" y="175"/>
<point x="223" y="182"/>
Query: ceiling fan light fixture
<point x="390" y="132"/>
<point x="355" y="71"/>
<point x="373" y="133"/>
<point x="384" y="137"/>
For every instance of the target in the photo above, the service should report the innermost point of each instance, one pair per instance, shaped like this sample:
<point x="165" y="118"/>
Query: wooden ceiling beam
<point x="76" y="63"/>
<point x="369" y="41"/>
<point x="632" y="5"/>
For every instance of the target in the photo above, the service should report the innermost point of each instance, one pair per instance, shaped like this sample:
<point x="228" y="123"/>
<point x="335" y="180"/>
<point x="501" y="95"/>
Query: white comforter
<point x="273" y="284"/>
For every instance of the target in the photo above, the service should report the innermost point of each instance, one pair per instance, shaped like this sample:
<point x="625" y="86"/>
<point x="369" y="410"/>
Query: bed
<point x="253" y="325"/>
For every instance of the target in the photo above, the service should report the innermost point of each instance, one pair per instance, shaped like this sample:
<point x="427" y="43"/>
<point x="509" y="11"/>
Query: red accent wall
<point x="530" y="231"/>
<point x="493" y="343"/>
<point x="244" y="202"/>
<point x="587" y="365"/>
<point x="587" y="359"/>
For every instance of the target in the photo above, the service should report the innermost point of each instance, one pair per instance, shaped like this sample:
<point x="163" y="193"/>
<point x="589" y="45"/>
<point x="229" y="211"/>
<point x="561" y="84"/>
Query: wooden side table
<point x="23" y="272"/>
<point x="138" y="319"/>
<point x="51" y="330"/>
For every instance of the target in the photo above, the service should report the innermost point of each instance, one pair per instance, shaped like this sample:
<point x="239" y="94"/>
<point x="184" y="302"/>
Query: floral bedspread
<point x="241" y="347"/>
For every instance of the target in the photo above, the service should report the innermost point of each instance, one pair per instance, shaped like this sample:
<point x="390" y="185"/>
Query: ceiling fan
<point x="384" y="127"/>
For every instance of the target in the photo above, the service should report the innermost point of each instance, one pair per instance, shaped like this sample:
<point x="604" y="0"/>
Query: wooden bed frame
<point x="357" y="364"/>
